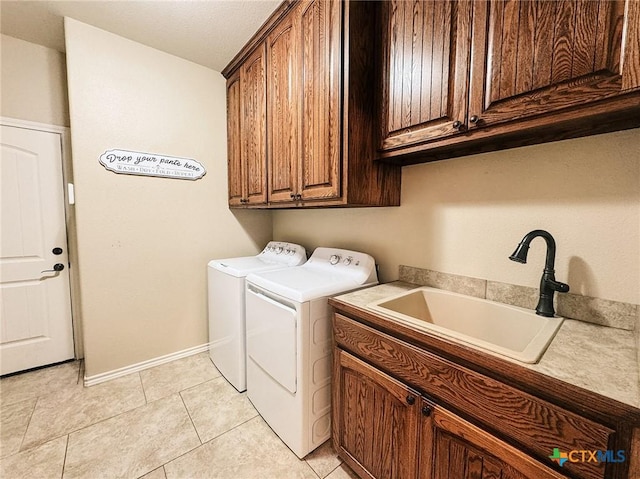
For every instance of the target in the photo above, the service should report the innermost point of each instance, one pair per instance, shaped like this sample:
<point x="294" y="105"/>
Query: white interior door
<point x="35" y="302"/>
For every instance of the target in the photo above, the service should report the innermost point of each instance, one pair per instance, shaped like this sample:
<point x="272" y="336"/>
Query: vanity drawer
<point x="536" y="425"/>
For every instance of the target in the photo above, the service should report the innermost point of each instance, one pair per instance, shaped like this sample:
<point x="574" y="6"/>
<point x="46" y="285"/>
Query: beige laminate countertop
<point x="597" y="358"/>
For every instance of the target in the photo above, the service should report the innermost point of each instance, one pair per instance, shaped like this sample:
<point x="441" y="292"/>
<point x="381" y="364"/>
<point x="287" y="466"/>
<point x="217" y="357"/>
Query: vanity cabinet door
<point x="375" y="420"/>
<point x="539" y="57"/>
<point x="454" y="448"/>
<point x="425" y="69"/>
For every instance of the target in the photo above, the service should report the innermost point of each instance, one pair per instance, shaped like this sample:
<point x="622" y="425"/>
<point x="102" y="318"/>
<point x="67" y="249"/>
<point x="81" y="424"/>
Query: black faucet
<point x="548" y="283"/>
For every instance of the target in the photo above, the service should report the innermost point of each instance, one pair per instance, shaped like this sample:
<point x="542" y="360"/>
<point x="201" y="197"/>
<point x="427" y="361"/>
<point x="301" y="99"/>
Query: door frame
<point x="64" y="133"/>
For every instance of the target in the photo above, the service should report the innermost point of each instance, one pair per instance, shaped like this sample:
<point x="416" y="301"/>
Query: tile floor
<point x="178" y="420"/>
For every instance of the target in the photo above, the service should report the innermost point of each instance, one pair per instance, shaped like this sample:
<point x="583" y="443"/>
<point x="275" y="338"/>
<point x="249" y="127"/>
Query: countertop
<point x="599" y="359"/>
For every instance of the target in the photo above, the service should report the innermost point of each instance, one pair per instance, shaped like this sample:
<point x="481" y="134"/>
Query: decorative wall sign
<point x="149" y="164"/>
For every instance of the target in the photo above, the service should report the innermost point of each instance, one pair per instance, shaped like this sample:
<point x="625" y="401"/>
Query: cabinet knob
<point x="457" y="125"/>
<point x="298" y="197"/>
<point x="427" y="410"/>
<point x="474" y="119"/>
<point x="411" y="400"/>
<point x="293" y="197"/>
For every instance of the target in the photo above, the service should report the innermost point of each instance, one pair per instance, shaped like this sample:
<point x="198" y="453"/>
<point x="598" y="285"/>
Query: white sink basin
<point x="507" y="330"/>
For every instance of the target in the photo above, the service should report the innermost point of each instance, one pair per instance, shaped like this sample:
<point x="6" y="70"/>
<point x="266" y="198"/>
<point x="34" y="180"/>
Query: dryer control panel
<point x="360" y="266"/>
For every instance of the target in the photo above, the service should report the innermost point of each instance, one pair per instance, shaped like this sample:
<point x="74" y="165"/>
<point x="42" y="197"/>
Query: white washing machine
<point x="227" y="325"/>
<point x="289" y="342"/>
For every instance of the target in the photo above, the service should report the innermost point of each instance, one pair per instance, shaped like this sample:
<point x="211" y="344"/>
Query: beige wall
<point x="466" y="216"/>
<point x="33" y="83"/>
<point x="144" y="242"/>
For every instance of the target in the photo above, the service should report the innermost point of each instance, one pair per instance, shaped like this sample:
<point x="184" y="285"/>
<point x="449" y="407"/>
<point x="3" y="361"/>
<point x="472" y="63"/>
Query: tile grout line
<point x="28" y="424"/>
<point x="68" y="433"/>
<point x="189" y="388"/>
<point x="205" y="443"/>
<point x="312" y="469"/>
<point x="82" y="427"/>
<point x="333" y="470"/>
<point x="120" y="414"/>
<point x="64" y="461"/>
<point x="190" y="418"/>
<point x="146" y="401"/>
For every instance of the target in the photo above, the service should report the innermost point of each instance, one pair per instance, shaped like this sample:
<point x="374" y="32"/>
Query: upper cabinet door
<point x="253" y="126"/>
<point x="234" y="142"/>
<point x="425" y="69"/>
<point x="535" y="57"/>
<point x="283" y="107"/>
<point x="320" y="80"/>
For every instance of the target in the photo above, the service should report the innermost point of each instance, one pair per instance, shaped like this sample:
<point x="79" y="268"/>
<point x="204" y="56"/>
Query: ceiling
<point x="207" y="32"/>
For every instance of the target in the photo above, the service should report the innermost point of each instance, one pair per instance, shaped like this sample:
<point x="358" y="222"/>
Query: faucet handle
<point x="558" y="286"/>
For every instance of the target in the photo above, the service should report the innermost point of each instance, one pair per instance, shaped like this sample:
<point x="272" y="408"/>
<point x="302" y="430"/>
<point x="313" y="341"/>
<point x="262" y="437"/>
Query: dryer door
<point x="271" y="337"/>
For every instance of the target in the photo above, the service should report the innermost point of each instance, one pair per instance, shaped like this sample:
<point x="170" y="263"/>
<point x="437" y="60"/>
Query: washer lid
<point x="240" y="267"/>
<point x="275" y="255"/>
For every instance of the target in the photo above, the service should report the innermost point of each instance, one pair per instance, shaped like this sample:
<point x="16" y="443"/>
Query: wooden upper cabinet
<point x="253" y="126"/>
<point x="283" y="110"/>
<point x="458" y="77"/>
<point x="234" y="142"/>
<point x="304" y="55"/>
<point x="321" y="58"/>
<point x="425" y="70"/>
<point x="307" y="129"/>
<point x="538" y="57"/>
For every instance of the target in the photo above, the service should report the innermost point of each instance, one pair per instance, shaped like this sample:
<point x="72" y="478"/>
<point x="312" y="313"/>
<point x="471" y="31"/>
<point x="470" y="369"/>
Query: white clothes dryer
<point x="226" y="297"/>
<point x="289" y="342"/>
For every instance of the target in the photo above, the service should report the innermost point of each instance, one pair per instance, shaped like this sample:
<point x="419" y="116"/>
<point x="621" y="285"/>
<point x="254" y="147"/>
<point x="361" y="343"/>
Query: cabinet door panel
<point x="320" y="126"/>
<point x="425" y="70"/>
<point x="531" y="58"/>
<point x="234" y="141"/>
<point x="254" y="126"/>
<point x="373" y="423"/>
<point x="464" y="451"/>
<point x="283" y="116"/>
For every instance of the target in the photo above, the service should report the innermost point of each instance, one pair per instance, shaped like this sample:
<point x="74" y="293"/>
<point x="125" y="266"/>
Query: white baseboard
<point x="134" y="368"/>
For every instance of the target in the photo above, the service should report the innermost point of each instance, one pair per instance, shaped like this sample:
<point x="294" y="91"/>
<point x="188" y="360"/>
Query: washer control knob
<point x="334" y="259"/>
<point x="347" y="261"/>
<point x="279" y="250"/>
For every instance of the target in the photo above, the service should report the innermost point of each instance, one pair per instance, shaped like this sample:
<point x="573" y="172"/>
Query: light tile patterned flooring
<point x="178" y="420"/>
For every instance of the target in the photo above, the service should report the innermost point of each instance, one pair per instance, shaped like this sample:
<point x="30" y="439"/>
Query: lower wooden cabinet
<point x="375" y="420"/>
<point x="384" y="429"/>
<point x="451" y="447"/>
